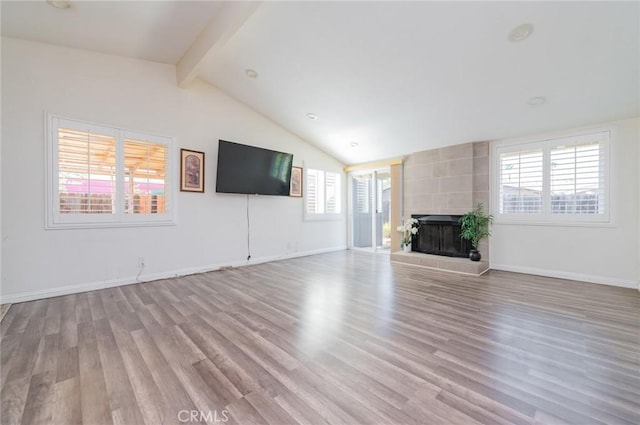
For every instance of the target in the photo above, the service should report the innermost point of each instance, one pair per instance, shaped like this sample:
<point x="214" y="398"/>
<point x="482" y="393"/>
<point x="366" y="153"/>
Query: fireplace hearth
<point x="440" y="235"/>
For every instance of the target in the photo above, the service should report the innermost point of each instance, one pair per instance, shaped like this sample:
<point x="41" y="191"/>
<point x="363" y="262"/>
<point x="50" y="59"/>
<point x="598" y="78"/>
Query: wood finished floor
<point x="340" y="338"/>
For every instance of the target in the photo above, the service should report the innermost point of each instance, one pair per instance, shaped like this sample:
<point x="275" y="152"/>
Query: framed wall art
<point x="296" y="182"/>
<point x="191" y="171"/>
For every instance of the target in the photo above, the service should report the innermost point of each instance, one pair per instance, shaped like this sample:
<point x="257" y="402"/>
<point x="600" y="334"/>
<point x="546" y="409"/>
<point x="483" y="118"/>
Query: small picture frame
<point x="296" y="182"/>
<point x="191" y="171"/>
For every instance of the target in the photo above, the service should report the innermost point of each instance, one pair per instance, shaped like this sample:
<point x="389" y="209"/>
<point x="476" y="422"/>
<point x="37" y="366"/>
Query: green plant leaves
<point x="475" y="225"/>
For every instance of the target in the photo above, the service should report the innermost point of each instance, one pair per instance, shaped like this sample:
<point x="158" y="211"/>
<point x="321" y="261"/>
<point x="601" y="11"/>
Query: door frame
<point x="374" y="202"/>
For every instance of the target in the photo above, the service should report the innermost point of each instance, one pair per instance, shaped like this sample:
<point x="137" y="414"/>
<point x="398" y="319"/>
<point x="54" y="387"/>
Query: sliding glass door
<point x="370" y="209"/>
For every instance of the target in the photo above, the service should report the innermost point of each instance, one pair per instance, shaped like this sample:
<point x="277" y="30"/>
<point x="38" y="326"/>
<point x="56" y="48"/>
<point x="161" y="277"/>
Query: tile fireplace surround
<point x="451" y="264"/>
<point x="449" y="180"/>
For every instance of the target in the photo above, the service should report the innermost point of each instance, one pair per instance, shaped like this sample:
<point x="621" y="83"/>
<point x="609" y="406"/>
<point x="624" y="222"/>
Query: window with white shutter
<point x="577" y="179"/>
<point x="323" y="194"/>
<point x="521" y="182"/>
<point x="101" y="176"/>
<point x="559" y="180"/>
<point x="86" y="171"/>
<point x="312" y="193"/>
<point x="332" y="193"/>
<point x="145" y="170"/>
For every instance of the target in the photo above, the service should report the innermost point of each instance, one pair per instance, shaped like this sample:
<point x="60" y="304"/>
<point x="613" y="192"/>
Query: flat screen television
<point x="252" y="170"/>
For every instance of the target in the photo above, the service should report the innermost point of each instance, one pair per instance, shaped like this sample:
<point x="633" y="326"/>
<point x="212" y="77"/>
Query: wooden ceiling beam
<point x="226" y="22"/>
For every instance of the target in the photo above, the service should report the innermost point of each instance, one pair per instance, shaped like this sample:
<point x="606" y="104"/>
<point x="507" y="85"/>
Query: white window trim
<point x="323" y="216"/>
<point x="54" y="220"/>
<point x="546" y="218"/>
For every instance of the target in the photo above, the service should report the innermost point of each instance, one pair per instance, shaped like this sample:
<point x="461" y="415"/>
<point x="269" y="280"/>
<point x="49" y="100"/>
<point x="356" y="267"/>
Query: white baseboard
<point x="602" y="280"/>
<point x="53" y="292"/>
<point x="86" y="287"/>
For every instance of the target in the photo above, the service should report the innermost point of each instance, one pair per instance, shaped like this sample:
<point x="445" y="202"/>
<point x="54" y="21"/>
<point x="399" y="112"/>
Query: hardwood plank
<point x="338" y="338"/>
<point x="270" y="411"/>
<point x="68" y="323"/>
<point x="95" y="305"/>
<point x="216" y="348"/>
<point x="40" y="399"/>
<point x="147" y="393"/>
<point x="83" y="310"/>
<point x="47" y="356"/>
<point x="359" y="381"/>
<point x="8" y="346"/>
<point x="14" y="322"/>
<point x="53" y="317"/>
<point x="225" y="391"/>
<point x="122" y="400"/>
<point x="4" y="308"/>
<point x="321" y="398"/>
<point x="14" y="397"/>
<point x="93" y="390"/>
<point x="132" y="296"/>
<point x="174" y="396"/>
<point x="68" y="365"/>
<point x="479" y="413"/>
<point x="298" y="409"/>
<point x="27" y="352"/>
<point x="68" y="407"/>
<point x="423" y="405"/>
<point x="244" y="413"/>
<point x="362" y="391"/>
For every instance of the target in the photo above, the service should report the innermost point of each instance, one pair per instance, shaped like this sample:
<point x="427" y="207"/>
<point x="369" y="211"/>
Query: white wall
<point x="138" y="95"/>
<point x="607" y="254"/>
<point x="1" y="235"/>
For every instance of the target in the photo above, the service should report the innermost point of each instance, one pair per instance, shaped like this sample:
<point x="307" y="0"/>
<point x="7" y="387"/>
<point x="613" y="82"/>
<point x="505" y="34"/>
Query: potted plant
<point x="475" y="227"/>
<point x="409" y="229"/>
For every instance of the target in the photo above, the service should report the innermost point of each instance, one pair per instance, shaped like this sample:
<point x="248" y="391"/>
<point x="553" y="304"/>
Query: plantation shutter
<point x="101" y="176"/>
<point x="558" y="180"/>
<point x="145" y="173"/>
<point x="332" y="190"/>
<point x="312" y="191"/>
<point x="577" y="179"/>
<point x="363" y="193"/>
<point x="86" y="164"/>
<point x="520" y="182"/>
<point x="323" y="192"/>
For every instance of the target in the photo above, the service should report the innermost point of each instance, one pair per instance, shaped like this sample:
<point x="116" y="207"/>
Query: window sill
<point x="498" y="222"/>
<point x="65" y="226"/>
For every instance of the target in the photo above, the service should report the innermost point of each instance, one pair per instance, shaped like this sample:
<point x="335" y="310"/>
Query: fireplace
<point x="440" y="235"/>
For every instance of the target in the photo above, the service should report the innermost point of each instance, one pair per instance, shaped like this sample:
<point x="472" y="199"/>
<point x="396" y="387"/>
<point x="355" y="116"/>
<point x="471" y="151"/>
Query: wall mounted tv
<point x="252" y="170"/>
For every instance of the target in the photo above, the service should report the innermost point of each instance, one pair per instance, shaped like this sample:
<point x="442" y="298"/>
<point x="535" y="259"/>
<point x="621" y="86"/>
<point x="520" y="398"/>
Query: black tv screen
<point x="252" y="170"/>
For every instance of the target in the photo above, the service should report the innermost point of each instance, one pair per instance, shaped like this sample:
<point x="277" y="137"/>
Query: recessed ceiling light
<point x="521" y="32"/>
<point x="312" y="116"/>
<point x="60" y="4"/>
<point x="355" y="144"/>
<point x="536" y="101"/>
<point x="251" y="73"/>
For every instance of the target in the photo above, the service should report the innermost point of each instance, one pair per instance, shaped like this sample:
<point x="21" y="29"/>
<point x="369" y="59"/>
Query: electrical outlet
<point x="140" y="262"/>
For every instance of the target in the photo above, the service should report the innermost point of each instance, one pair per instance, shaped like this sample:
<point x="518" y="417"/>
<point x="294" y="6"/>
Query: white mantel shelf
<point x="439" y="262"/>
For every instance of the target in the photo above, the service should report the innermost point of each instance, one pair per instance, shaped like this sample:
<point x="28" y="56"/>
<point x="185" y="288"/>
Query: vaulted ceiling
<point x="390" y="77"/>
